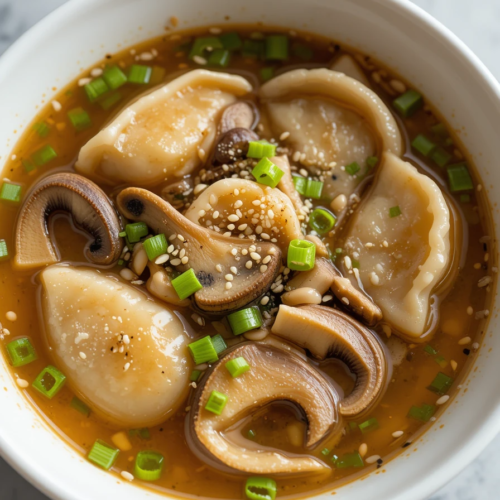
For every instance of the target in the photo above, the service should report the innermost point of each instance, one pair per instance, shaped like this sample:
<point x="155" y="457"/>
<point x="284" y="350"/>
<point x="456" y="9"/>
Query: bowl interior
<point x="394" y="31"/>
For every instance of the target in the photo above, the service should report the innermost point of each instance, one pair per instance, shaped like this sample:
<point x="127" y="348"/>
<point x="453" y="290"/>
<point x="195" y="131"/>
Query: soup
<point x="241" y="263"/>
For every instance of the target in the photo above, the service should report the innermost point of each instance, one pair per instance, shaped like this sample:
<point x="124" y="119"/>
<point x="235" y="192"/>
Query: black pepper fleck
<point x="406" y="445"/>
<point x="466" y="352"/>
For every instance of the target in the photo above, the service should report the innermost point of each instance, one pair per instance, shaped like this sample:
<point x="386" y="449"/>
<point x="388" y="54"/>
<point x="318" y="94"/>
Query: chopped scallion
<point x="301" y="255"/>
<point x="21" y="352"/>
<point x="408" y="103"/>
<point x="110" y="100"/>
<point x="261" y="149"/>
<point x="313" y="189"/>
<point x="245" y="320"/>
<point x="459" y="178"/>
<point x="325" y="452"/>
<point x="220" y="58"/>
<point x="103" y="455"/>
<point x="440" y="130"/>
<point x="423" y="413"/>
<point x="142" y="433"/>
<point x="441" y="384"/>
<point x="49" y="382"/>
<point x="441" y="361"/>
<point x="267" y="173"/>
<point x="4" y="251"/>
<point x="155" y="246"/>
<point x="42" y="129"/>
<point x="276" y="48"/>
<point x="114" y="77"/>
<point x="321" y="220"/>
<point x="303" y="52"/>
<point x="216" y="402"/>
<point x="369" y="426"/>
<point x="80" y="406"/>
<point x="203" y="351"/>
<point x="353" y="168"/>
<point x="430" y="350"/>
<point x="157" y="75"/>
<point x="79" y="118"/>
<point x="28" y="165"/>
<point x="266" y="74"/>
<point x="186" y="284"/>
<point x="200" y="45"/>
<point x="139" y="74"/>
<point x="441" y="157"/>
<point x="423" y="145"/>
<point x="148" y="465"/>
<point x="136" y="231"/>
<point x="300" y="184"/>
<point x="371" y="162"/>
<point x="260" y="488"/>
<point x="43" y="155"/>
<point x="10" y="193"/>
<point x="394" y="211"/>
<point x="237" y="366"/>
<point x="195" y="375"/>
<point x="252" y="48"/>
<point x="219" y="343"/>
<point x="349" y="460"/>
<point x="96" y="89"/>
<point x="465" y="198"/>
<point x="230" y="41"/>
<point x="251" y="434"/>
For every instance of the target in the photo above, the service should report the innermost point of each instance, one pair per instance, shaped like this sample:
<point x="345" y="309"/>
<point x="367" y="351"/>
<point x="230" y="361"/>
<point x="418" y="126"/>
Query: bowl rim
<point x="471" y="445"/>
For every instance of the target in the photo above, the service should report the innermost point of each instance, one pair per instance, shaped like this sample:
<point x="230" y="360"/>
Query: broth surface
<point x="463" y="311"/>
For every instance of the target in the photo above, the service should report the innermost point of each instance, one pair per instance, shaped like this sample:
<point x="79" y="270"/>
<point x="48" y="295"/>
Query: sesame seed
<point x="233" y="270"/>
<point x="22" y="383"/>
<point x="374" y="279"/>
<point x="218" y="267"/>
<point x="126" y="475"/>
<point x="234" y="251"/>
<point x="347" y="262"/>
<point x="372" y="459"/>
<point x="237" y="192"/>
<point x="83" y="355"/>
<point x="126" y="367"/>
<point x="215" y="215"/>
<point x="231" y="226"/>
<point x="470" y="311"/>
<point x="266" y="260"/>
<point x="238" y="204"/>
<point x="278" y="289"/>
<point x="181" y="237"/>
<point x="303" y="172"/>
<point x="255" y="256"/>
<point x="56" y="105"/>
<point x="475" y="346"/>
<point x="249" y="264"/>
<point x="327" y="298"/>
<point x="201" y="154"/>
<point x="397" y="434"/>
<point x="442" y="400"/>
<point x="83" y="81"/>
<point x="227" y="233"/>
<point x="363" y="449"/>
<point x="162" y="259"/>
<point x="265" y="300"/>
<point x="175" y="262"/>
<point x="172" y="237"/>
<point x="11" y="316"/>
<point x="284" y="135"/>
<point x="127" y="274"/>
<point x="170" y="248"/>
<point x="199" y="60"/>
<point x="464" y="341"/>
<point x="345" y="300"/>
<point x="185" y="259"/>
<point x="454" y="365"/>
<point x="182" y="253"/>
<point x="229" y="277"/>
<point x="484" y="281"/>
<point x="256" y="202"/>
<point x="244" y="252"/>
<point x="201" y="213"/>
<point x="233" y="218"/>
<point x="229" y="286"/>
<point x="263" y="269"/>
<point x="96" y="72"/>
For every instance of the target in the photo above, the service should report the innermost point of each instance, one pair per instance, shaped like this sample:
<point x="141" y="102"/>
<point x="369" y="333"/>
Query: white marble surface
<point x="477" y="24"/>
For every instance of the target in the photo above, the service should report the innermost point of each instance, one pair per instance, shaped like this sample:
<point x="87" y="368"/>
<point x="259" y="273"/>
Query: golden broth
<point x="276" y="426"/>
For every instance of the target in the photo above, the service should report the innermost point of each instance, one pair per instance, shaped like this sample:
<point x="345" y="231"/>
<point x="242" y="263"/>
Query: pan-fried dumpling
<point x="400" y="235"/>
<point x="331" y="118"/>
<point x="160" y="134"/>
<point x="264" y="213"/>
<point x="123" y="354"/>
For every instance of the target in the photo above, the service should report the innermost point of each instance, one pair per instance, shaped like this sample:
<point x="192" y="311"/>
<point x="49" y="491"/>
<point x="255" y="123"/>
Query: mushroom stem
<point x="216" y="259"/>
<point x="327" y="333"/>
<point x="90" y="209"/>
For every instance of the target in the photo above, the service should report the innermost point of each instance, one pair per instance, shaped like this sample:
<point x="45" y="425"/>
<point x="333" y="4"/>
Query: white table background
<point x="477" y="23"/>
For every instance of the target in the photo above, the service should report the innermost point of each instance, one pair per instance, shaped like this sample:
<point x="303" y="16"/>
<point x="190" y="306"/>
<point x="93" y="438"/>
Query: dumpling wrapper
<point x="409" y="254"/>
<point x="331" y="117"/>
<point x="347" y="64"/>
<point x="85" y="312"/>
<point x="282" y="227"/>
<point x="160" y="134"/>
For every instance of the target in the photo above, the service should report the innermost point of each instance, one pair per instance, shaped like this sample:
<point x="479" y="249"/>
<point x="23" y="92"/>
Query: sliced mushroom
<point x="238" y="115"/>
<point x="233" y="145"/>
<point x="90" y="209"/>
<point x="286" y="183"/>
<point x="177" y="192"/>
<point x="263" y="213"/>
<point x="211" y="255"/>
<point x="326" y="333"/>
<point x="320" y="277"/>
<point x="275" y="375"/>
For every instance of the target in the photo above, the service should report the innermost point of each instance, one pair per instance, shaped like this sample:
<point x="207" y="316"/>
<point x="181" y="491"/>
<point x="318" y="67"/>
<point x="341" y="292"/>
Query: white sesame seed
<point x="397" y="434"/>
<point x="231" y="227"/>
<point x="263" y="269"/>
<point x="22" y="383"/>
<point x="238" y="204"/>
<point x="372" y="459"/>
<point x="233" y="270"/>
<point x="464" y="341"/>
<point x="327" y="298"/>
<point x="215" y="215"/>
<point x="264" y="300"/>
<point x="162" y="259"/>
<point x="229" y="285"/>
<point x="363" y="449"/>
<point x="233" y="218"/>
<point x="181" y="237"/>
<point x="470" y="311"/>
<point x="284" y="135"/>
<point x="172" y="237"/>
<point x="347" y="262"/>
<point x="218" y="267"/>
<point x="215" y="31"/>
<point x="249" y="264"/>
<point x="175" y="262"/>
<point x="266" y="259"/>
<point x="56" y="105"/>
<point x="201" y="213"/>
<point x="170" y="248"/>
<point x="442" y="400"/>
<point x="127" y="274"/>
<point x="83" y="81"/>
<point x="185" y="259"/>
<point x="229" y="277"/>
<point x="126" y="367"/>
<point x="303" y="172"/>
<point x="278" y="289"/>
<point x="11" y="316"/>
<point x="234" y="251"/>
<point x="475" y="346"/>
<point x="201" y="154"/>
<point x="374" y="279"/>
<point x="199" y="60"/>
<point x="454" y="364"/>
<point x="345" y="300"/>
<point x="484" y="281"/>
<point x="126" y="475"/>
<point x="96" y="72"/>
<point x="255" y="256"/>
<point x="83" y="355"/>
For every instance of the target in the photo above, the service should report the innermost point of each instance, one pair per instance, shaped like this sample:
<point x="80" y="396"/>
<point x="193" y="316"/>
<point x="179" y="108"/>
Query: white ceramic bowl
<point x="394" y="31"/>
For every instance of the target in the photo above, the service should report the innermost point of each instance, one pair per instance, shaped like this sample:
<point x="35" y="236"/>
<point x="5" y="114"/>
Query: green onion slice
<point x="245" y="320"/>
<point x="203" y="351"/>
<point x="267" y="173"/>
<point x="441" y="384"/>
<point x="394" y="211"/>
<point x="441" y="157"/>
<point x="10" y="193"/>
<point x="186" y="284"/>
<point x="313" y="189"/>
<point x="459" y="178"/>
<point x="220" y="58"/>
<point x="202" y="44"/>
<point x="408" y="103"/>
<point x="261" y="149"/>
<point x="140" y="433"/>
<point x="114" y="77"/>
<point x="110" y="100"/>
<point x="353" y="168"/>
<point x="300" y="184"/>
<point x="430" y="350"/>
<point x="216" y="402"/>
<point x="79" y="118"/>
<point x="266" y="74"/>
<point x="80" y="406"/>
<point x="42" y="129"/>
<point x="237" y="366"/>
<point x="103" y="455"/>
<point x="148" y="465"/>
<point x="253" y="48"/>
<point x="260" y="488"/>
<point x="139" y="74"/>
<point x="21" y="352"/>
<point x="423" y="413"/>
<point x="157" y="75"/>
<point x="349" y="460"/>
<point x="136" y="231"/>
<point x="423" y="145"/>
<point x="322" y="220"/>
<point x="369" y="426"/>
<point x="96" y="89"/>
<point x="301" y="255"/>
<point x="195" y="375"/>
<point x="231" y="41"/>
<point x="49" y="382"/>
<point x="4" y="251"/>
<point x="219" y="343"/>
<point x="372" y="162"/>
<point x="276" y="48"/>
<point x="155" y="246"/>
<point x="43" y="155"/>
